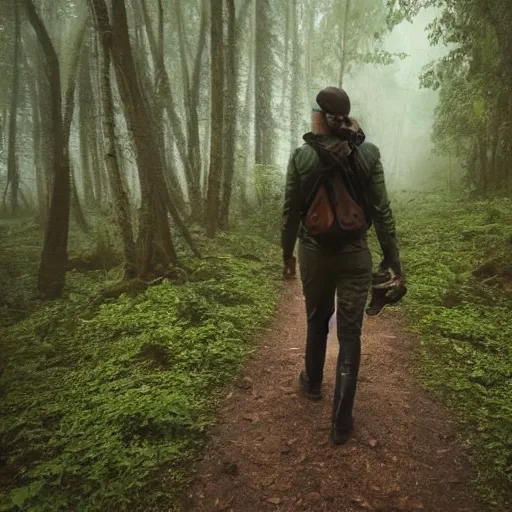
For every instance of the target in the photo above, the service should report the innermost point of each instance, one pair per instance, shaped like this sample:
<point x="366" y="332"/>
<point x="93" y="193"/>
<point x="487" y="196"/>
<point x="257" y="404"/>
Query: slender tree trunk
<point x="13" y="177"/>
<point x="52" y="269"/>
<point x="96" y="142"/>
<point x="343" y="49"/>
<point x="121" y="202"/>
<point x="295" y="91"/>
<point x="69" y="109"/>
<point x="85" y="99"/>
<point x="47" y="142"/>
<point x="230" y="119"/>
<point x="286" y="60"/>
<point x="194" y="143"/>
<point x="217" y="95"/>
<point x="248" y="115"/>
<point x="170" y="176"/>
<point x="155" y="81"/>
<point x="309" y="56"/>
<point x="167" y="97"/>
<point x="38" y="161"/>
<point x="264" y="61"/>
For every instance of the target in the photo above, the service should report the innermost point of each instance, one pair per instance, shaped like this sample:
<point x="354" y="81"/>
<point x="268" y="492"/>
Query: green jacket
<point x="301" y="179"/>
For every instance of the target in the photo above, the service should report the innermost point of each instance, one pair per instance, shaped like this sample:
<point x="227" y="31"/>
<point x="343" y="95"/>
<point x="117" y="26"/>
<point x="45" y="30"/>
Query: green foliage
<point x="458" y="256"/>
<point x="106" y="406"/>
<point x="475" y="83"/>
<point x="262" y="213"/>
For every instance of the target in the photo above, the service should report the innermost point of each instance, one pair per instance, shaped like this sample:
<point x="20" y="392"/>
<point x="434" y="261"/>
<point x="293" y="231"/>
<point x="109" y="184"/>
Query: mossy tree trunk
<point x="52" y="269"/>
<point x="120" y="196"/>
<point x="217" y="118"/>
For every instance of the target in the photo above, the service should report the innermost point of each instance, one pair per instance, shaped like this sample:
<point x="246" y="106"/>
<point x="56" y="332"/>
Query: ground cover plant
<point x="458" y="258"/>
<point x="106" y="402"/>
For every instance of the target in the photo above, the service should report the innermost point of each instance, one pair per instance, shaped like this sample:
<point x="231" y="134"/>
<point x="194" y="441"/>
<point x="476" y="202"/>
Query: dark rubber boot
<point x="313" y="393"/>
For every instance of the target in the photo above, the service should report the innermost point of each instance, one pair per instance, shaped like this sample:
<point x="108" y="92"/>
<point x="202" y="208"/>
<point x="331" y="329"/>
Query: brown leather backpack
<point x="334" y="216"/>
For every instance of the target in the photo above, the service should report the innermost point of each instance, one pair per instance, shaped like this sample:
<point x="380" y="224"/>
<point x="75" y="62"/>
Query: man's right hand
<point x="290" y="268"/>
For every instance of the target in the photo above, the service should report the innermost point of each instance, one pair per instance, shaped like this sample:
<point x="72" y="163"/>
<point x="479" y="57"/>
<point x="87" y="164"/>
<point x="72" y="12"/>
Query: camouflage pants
<point x="348" y="276"/>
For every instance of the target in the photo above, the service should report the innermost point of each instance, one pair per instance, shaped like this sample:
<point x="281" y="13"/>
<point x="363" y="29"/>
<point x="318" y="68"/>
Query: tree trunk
<point x="121" y="203"/>
<point x="286" y="60"/>
<point x="309" y="56"/>
<point x="85" y="100"/>
<point x="13" y="177"/>
<point x="217" y="119"/>
<point x="264" y="62"/>
<point x="248" y="114"/>
<point x="230" y="119"/>
<point x="45" y="129"/>
<point x="155" y="242"/>
<point x="159" y="104"/>
<point x="69" y="109"/>
<point x="41" y="191"/>
<point x="194" y="143"/>
<point x="167" y="97"/>
<point x="295" y="91"/>
<point x="52" y="269"/>
<point x="343" y="49"/>
<point x="158" y="246"/>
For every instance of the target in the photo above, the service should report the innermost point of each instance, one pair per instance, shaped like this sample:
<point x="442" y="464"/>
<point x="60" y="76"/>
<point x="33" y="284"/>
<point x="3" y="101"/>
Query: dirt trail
<point x="271" y="451"/>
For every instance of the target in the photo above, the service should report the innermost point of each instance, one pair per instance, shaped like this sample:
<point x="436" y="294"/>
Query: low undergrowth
<point x="105" y="403"/>
<point x="458" y="259"/>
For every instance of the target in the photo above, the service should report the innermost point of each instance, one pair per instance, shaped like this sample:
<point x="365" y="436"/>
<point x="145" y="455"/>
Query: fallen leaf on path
<point x="313" y="496"/>
<point x="223" y="505"/>
<point x="362" y="503"/>
<point x="292" y="441"/>
<point x="274" y="501"/>
<point x="373" y="443"/>
<point x="394" y="489"/>
<point x="251" y="417"/>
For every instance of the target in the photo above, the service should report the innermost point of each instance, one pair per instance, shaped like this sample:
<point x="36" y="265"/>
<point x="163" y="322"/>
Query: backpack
<point x="337" y="208"/>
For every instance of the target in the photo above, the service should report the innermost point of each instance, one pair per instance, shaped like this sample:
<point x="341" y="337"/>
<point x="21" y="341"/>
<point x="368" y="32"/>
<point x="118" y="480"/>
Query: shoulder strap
<point x="323" y="170"/>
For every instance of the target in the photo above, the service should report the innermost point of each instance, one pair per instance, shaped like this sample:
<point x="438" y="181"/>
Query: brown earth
<point x="271" y="449"/>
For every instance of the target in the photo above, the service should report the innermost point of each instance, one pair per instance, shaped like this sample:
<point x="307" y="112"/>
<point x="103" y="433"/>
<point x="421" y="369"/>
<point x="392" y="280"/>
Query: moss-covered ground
<point x="105" y="403"/>
<point x="458" y="258"/>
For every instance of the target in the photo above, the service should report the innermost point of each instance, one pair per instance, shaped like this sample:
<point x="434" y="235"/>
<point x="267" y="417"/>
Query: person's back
<point x="335" y="166"/>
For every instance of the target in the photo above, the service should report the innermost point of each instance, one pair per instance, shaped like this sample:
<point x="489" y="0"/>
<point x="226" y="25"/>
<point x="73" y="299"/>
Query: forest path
<point x="271" y="449"/>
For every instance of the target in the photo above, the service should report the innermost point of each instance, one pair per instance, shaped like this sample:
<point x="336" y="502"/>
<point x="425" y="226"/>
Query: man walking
<point x="335" y="190"/>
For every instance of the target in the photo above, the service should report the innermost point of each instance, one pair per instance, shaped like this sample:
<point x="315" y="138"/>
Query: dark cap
<point x="333" y="100"/>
